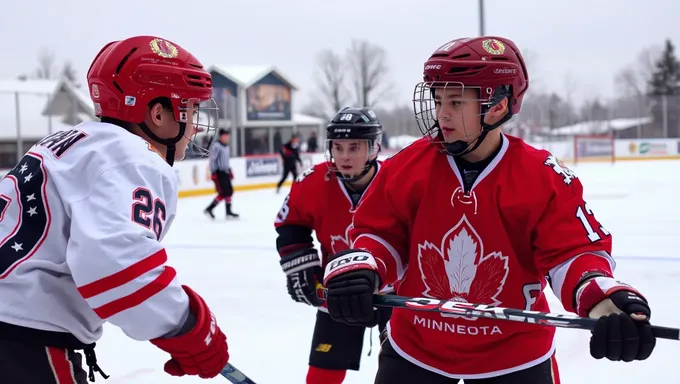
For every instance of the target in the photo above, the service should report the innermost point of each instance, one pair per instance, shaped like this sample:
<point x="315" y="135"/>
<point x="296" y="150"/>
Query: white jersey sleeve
<point x="114" y="253"/>
<point x="82" y="217"/>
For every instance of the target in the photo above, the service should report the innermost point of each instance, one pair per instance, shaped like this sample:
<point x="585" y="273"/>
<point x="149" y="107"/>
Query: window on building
<point x="282" y="135"/>
<point x="309" y="139"/>
<point x="257" y="141"/>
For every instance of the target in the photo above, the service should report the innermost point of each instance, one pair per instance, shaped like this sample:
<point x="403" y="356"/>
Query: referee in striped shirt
<point x="221" y="173"/>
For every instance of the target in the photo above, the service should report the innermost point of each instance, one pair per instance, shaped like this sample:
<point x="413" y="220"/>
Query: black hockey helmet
<point x="352" y="123"/>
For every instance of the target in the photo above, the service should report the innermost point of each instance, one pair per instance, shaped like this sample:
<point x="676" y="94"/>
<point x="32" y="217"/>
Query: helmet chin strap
<point x="369" y="164"/>
<point x="170" y="144"/>
<point x="462" y="147"/>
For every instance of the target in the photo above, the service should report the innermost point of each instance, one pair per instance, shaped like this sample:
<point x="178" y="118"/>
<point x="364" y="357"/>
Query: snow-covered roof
<point x="65" y="89"/>
<point x="39" y="98"/>
<point x="604" y="126"/>
<point x="245" y="76"/>
<point x="33" y="95"/>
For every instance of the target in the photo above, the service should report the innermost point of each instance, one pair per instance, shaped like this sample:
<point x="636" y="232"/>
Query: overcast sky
<point x="589" y="39"/>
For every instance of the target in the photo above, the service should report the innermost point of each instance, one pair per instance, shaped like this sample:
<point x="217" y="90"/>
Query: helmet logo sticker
<point x="493" y="46"/>
<point x="95" y="91"/>
<point x="130" y="101"/>
<point x="163" y="48"/>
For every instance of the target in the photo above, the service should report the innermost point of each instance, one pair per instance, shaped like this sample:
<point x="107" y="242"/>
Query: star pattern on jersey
<point x="31" y="225"/>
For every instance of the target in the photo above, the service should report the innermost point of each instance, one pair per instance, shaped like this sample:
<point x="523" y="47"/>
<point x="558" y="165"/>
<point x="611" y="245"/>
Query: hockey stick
<point x="235" y="376"/>
<point x="562" y="320"/>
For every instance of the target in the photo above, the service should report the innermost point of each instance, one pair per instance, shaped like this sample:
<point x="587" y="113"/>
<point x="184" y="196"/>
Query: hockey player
<point x="83" y="214"/>
<point x="323" y="200"/>
<point x="220" y="152"/>
<point x="290" y="158"/>
<point x="470" y="214"/>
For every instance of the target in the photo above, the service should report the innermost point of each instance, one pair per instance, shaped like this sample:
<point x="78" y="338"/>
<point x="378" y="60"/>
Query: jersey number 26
<point x="148" y="212"/>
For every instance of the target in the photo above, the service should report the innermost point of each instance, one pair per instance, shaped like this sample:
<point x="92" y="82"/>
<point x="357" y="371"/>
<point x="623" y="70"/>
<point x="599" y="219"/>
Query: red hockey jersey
<point x="319" y="201"/>
<point x="523" y="219"/>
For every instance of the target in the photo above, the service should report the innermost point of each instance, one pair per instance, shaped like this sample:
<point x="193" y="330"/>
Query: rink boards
<point x="264" y="171"/>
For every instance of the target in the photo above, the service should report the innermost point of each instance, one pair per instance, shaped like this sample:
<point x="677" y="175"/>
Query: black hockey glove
<point x="622" y="331"/>
<point x="351" y="279"/>
<point x="303" y="272"/>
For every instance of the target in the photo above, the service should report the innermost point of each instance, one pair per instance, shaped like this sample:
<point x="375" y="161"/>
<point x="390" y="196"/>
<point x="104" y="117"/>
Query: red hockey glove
<point x="203" y="350"/>
<point x="622" y="332"/>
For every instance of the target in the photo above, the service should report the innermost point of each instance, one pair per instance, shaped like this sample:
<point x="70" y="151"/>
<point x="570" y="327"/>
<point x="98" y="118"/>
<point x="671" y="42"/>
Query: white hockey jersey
<point x="81" y="220"/>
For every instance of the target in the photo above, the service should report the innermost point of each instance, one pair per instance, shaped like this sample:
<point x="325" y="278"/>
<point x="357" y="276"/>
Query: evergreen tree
<point x="664" y="89"/>
<point x="665" y="79"/>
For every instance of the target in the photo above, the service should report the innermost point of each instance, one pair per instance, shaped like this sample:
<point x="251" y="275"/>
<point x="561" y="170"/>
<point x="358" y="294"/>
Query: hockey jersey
<point x="523" y="219"/>
<point x="81" y="220"/>
<point x="318" y="202"/>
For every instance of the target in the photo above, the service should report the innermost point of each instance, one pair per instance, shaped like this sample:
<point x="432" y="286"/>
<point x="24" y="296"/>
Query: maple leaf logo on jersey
<point x="560" y="168"/>
<point x="341" y="242"/>
<point x="458" y="270"/>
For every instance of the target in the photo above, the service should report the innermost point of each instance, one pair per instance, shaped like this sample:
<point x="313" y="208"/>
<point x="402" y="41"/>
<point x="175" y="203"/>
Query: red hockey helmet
<point x="492" y="65"/>
<point x="127" y="75"/>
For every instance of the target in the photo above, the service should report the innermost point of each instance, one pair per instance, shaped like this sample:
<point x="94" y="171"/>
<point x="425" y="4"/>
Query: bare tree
<point x="531" y="62"/>
<point x="316" y="108"/>
<point x="369" y="70"/>
<point x="69" y="72"/>
<point x="570" y="87"/>
<point x="629" y="83"/>
<point x="398" y="121"/>
<point x="46" y="68"/>
<point x="632" y="81"/>
<point x="330" y="79"/>
<point x="646" y="61"/>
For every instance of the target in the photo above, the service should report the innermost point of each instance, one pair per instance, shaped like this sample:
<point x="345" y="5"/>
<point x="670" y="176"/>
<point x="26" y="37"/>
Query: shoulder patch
<point x="560" y="168"/>
<point x="304" y="174"/>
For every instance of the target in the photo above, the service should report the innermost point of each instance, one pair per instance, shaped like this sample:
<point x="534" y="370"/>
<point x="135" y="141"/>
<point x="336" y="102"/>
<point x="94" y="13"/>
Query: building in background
<point x="32" y="109"/>
<point x="256" y="103"/>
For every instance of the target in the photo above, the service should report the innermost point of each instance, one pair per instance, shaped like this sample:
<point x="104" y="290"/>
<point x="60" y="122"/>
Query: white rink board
<point x="264" y="171"/>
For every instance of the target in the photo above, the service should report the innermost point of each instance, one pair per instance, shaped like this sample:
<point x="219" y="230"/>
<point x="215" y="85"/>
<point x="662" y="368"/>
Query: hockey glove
<point x="351" y="279"/>
<point x="622" y="332"/>
<point x="303" y="271"/>
<point x="231" y="174"/>
<point x="203" y="350"/>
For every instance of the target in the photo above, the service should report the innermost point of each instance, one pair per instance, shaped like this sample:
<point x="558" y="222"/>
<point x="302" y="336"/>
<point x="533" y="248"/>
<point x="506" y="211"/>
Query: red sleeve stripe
<point x="362" y="240"/>
<point x="566" y="276"/>
<point x="138" y="297"/>
<point x="125" y="276"/>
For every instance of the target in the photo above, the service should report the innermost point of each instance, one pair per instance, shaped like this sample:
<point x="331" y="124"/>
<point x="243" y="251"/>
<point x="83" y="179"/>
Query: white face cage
<point x="427" y="98"/>
<point x="204" y="116"/>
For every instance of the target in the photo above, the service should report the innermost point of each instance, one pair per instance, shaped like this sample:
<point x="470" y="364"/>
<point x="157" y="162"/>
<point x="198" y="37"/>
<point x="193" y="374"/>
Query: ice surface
<point x="234" y="265"/>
